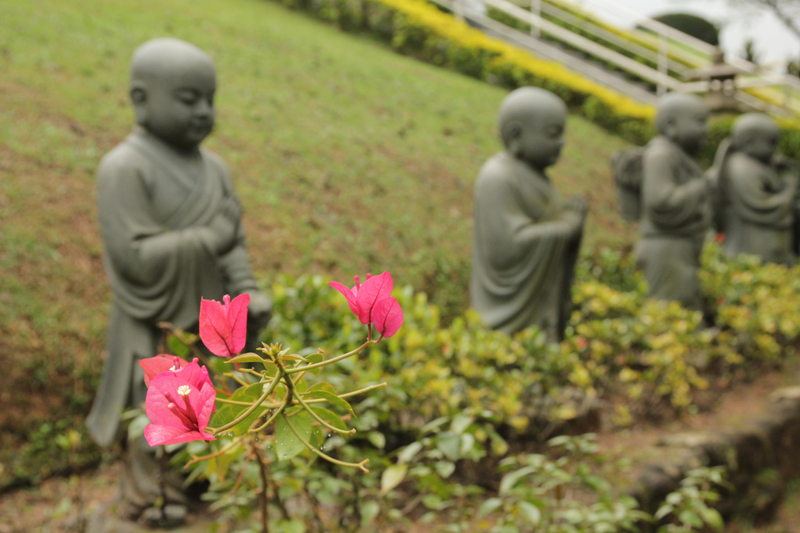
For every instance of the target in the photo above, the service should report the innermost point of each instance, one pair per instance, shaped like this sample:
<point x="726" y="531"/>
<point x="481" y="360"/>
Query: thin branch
<point x="241" y="474"/>
<point x="236" y="378"/>
<point x="215" y="454"/>
<point x="324" y="455"/>
<point x="319" y="419"/>
<point x="252" y="408"/>
<point x="273" y="417"/>
<point x="360" y="391"/>
<point x="329" y="361"/>
<point x="263" y="498"/>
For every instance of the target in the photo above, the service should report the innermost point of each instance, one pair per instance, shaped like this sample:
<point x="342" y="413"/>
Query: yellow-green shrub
<point x="418" y="29"/>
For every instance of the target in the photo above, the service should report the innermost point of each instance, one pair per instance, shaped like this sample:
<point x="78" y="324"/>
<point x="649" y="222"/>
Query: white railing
<point x="672" y="52"/>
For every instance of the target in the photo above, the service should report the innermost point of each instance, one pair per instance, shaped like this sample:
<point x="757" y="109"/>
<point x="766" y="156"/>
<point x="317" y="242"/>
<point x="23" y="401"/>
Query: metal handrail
<point x="582" y="43"/>
<point x="608" y="36"/>
<point x="664" y="35"/>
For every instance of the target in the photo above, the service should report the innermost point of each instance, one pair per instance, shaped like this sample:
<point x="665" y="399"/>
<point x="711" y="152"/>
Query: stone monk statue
<point x="171" y="225"/>
<point x="676" y="204"/>
<point x="756" y="197"/>
<point x="526" y="239"/>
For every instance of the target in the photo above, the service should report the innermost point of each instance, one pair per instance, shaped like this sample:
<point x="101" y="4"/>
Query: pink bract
<point x="372" y="301"/>
<point x="387" y="316"/>
<point x="153" y="366"/>
<point x="223" y="326"/>
<point x="178" y="409"/>
<point x="363" y="296"/>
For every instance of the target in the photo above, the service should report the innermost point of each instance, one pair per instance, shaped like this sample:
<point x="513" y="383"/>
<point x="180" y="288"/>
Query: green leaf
<point x="377" y="439"/>
<point x="409" y="452"/>
<point x="369" y="511"/>
<point x="249" y="358"/>
<point x="444" y="468"/>
<point x="713" y="518"/>
<point x="293" y="357"/>
<point x="449" y="443"/>
<point x="287" y="444"/>
<point x="322" y="386"/>
<point x="393" y="476"/>
<point x="531" y="513"/>
<point x="510" y="479"/>
<point x="221" y="463"/>
<point x="227" y="413"/>
<point x="663" y="511"/>
<point x="295" y="525"/>
<point x="461" y="422"/>
<point x="432" y="501"/>
<point x="313" y="359"/>
<point x="433" y="424"/>
<point x="330" y="417"/>
<point x="690" y="518"/>
<point x="489" y="506"/>
<point x="331" y="398"/>
<point x="177" y="347"/>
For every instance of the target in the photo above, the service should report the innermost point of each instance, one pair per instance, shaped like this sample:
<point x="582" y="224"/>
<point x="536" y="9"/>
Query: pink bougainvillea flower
<point x="363" y="297"/>
<point x="372" y="301"/>
<point x="387" y="316"/>
<point x="178" y="409"/>
<point x="223" y="326"/>
<point x="153" y="366"/>
<point x="192" y="372"/>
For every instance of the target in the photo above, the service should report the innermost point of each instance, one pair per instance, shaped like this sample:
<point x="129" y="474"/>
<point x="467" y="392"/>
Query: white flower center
<point x="173" y="369"/>
<point x="184" y="390"/>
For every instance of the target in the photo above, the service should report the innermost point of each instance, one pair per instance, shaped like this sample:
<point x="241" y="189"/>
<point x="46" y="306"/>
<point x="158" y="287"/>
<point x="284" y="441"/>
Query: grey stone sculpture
<point x="526" y="239"/>
<point x="171" y="227"/>
<point x="676" y="207"/>
<point x="756" y="196"/>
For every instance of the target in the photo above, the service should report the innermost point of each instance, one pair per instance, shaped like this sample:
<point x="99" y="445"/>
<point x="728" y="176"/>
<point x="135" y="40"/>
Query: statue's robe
<point x="676" y="215"/>
<point x="759" y="210"/>
<point x="154" y="211"/>
<point x="524" y="249"/>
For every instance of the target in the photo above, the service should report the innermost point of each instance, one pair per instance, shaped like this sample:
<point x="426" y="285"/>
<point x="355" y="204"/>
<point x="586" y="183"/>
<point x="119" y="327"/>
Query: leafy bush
<point x="618" y="344"/>
<point x="439" y="436"/>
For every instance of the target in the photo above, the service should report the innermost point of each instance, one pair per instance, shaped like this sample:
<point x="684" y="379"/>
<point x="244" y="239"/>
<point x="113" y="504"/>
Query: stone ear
<point x="511" y="135"/>
<point x="138" y="95"/>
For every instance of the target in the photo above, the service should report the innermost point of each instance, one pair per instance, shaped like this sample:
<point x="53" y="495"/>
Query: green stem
<point x="319" y="419"/>
<point x="324" y="455"/>
<point x="233" y="402"/>
<point x="251" y="371"/>
<point x="329" y="361"/>
<point x="215" y="454"/>
<point x="253" y="407"/>
<point x="365" y="389"/>
<point x="281" y="408"/>
<point x="236" y="378"/>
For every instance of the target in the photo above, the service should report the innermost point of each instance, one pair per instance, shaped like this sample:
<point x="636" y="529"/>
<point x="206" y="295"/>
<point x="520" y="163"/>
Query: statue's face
<point x="761" y="144"/>
<point x="689" y="128"/>
<point x="540" y="142"/>
<point x="179" y="109"/>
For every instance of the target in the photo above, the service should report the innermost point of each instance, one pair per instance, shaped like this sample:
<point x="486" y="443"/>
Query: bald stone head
<point x="757" y="135"/>
<point x="172" y="89"/>
<point x="683" y="118"/>
<point x="531" y="123"/>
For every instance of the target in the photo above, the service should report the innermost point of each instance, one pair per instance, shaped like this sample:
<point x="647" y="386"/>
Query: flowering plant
<point x="273" y="405"/>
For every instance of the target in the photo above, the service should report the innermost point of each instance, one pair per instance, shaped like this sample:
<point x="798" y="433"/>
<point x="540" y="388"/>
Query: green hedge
<point x="417" y="29"/>
<point x="658" y="356"/>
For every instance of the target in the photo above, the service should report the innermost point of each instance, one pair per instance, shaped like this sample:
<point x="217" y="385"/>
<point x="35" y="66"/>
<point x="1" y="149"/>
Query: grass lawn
<point x="347" y="157"/>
